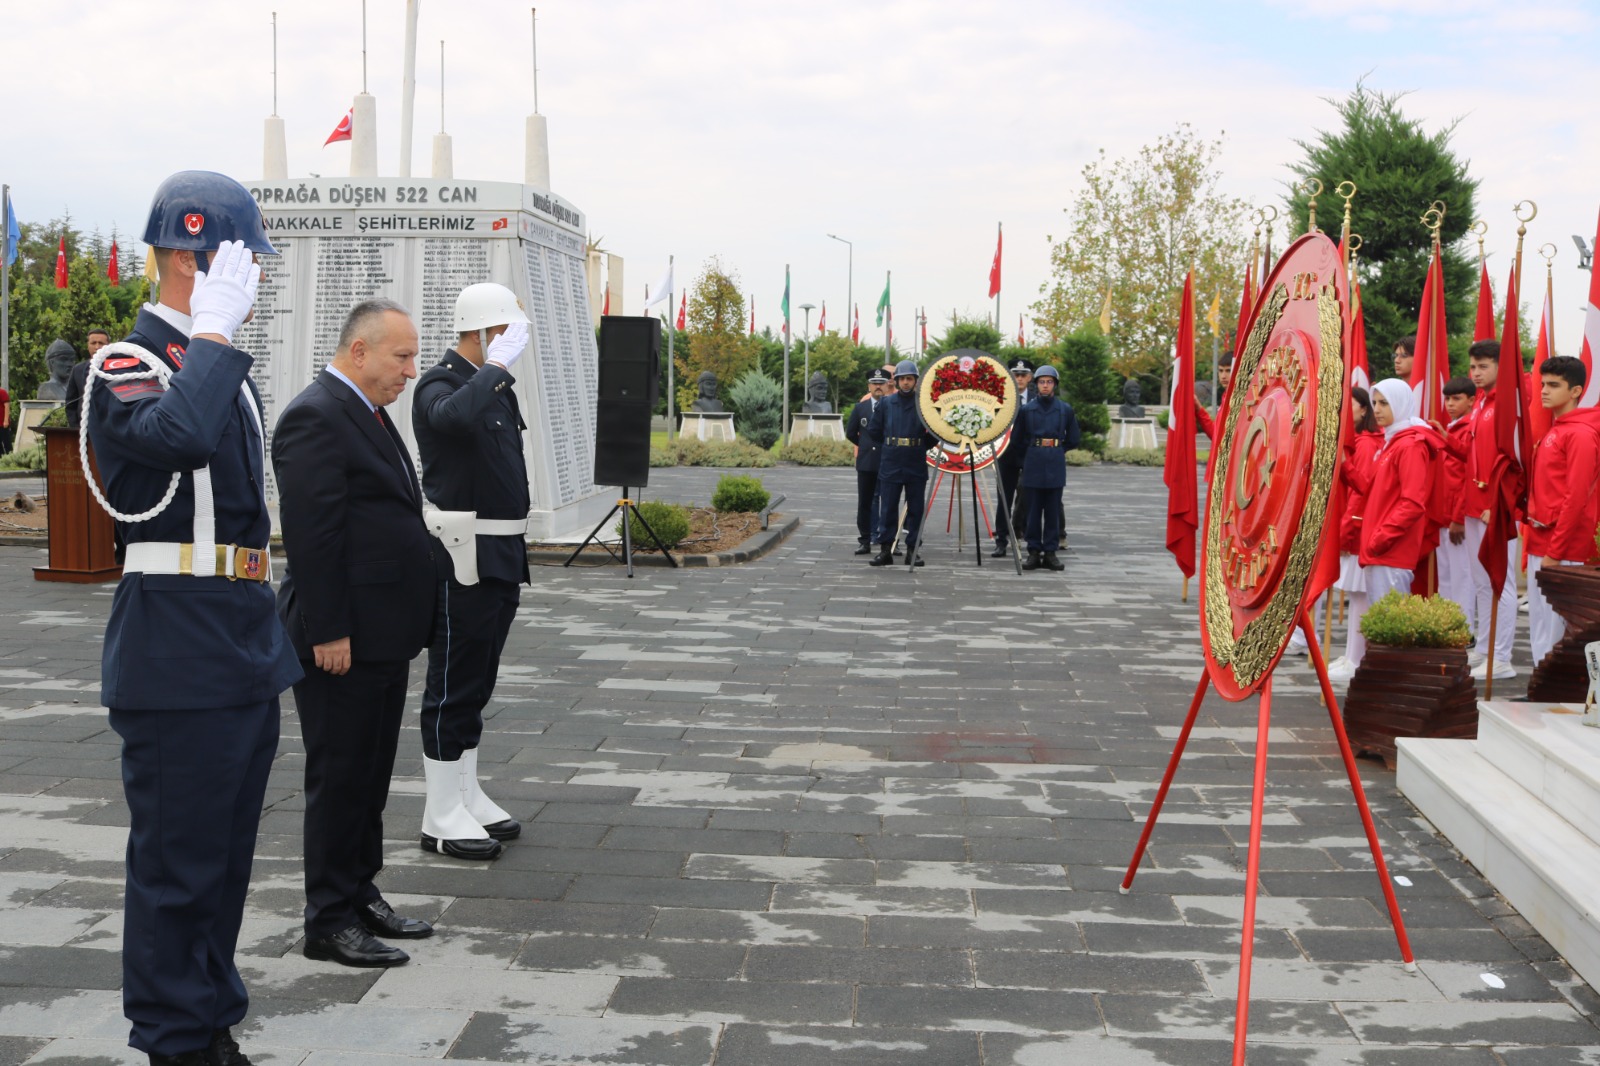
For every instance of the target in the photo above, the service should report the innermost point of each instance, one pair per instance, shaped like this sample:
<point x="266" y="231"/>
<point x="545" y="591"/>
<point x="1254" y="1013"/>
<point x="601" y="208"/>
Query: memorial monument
<point x="816" y="417"/>
<point x="59" y="358"/>
<point x="817" y="396"/>
<point x="1130" y="426"/>
<point x="706" y="418"/>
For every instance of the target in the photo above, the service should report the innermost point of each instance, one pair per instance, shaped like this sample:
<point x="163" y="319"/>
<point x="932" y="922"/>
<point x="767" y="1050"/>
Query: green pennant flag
<point x="883" y="301"/>
<point x="786" y="301"/>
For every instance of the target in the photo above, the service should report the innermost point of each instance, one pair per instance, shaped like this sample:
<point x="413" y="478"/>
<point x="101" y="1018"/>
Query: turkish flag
<point x="855" y="326"/>
<point x="61" y="264"/>
<point x="1183" y="510"/>
<point x="752" y="316"/>
<point x="341" y="132"/>
<point x="1511" y="445"/>
<point x="111" y="268"/>
<point x="1483" y="330"/>
<point x="1432" y="365"/>
<point x="683" y="309"/>
<point x="994" y="270"/>
<point x="822" y="320"/>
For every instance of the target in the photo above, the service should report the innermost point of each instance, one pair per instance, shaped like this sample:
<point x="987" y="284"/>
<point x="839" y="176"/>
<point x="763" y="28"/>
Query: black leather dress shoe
<point x="864" y="549"/>
<point x="224" y="1050"/>
<point x="380" y="918"/>
<point x="1052" y="563"/>
<point x="510" y="829"/>
<point x="478" y="849"/>
<point x="188" y="1058"/>
<point x="881" y="559"/>
<point x="355" y="946"/>
<point x="1000" y="551"/>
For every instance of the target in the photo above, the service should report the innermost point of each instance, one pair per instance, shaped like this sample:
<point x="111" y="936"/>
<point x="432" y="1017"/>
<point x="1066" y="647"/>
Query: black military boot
<point x="1052" y="563"/>
<point x="883" y="558"/>
<point x="188" y="1058"/>
<point x="1033" y="562"/>
<point x="864" y="549"/>
<point x="224" y="1050"/>
<point x="1001" y="550"/>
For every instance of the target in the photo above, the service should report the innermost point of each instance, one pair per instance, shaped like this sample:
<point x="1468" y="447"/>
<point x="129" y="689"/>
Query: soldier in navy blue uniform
<point x="469" y="431"/>
<point x="1046" y="430"/>
<point x="1010" y="466"/>
<point x="868" y="455"/>
<point x="904" y="441"/>
<point x="194" y="656"/>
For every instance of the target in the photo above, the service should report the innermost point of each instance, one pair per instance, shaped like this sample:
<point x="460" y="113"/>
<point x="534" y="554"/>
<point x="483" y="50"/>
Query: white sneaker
<point x="1341" y="670"/>
<point x="1501" y="670"/>
<point x="1475" y="658"/>
<point x="1297" y="643"/>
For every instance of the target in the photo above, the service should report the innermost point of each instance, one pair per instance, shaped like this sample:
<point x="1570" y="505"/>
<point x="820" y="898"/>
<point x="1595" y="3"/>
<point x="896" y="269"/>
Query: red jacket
<point x="1394" y="529"/>
<point x="1481" y="451"/>
<point x="1453" y="465"/>
<point x="1356" y="473"/>
<point x="1561" y="493"/>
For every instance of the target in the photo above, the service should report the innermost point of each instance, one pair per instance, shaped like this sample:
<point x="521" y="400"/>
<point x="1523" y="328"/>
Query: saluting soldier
<point x="868" y="456"/>
<point x="1047" y="428"/>
<point x="469" y="431"/>
<point x="1010" y="466"/>
<point x="898" y="430"/>
<point x="194" y="656"/>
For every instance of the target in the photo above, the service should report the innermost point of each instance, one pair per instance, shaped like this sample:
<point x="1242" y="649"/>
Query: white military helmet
<point x="487" y="304"/>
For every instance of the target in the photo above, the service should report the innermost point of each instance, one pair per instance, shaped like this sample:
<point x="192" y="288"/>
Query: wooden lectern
<point x="81" y="532"/>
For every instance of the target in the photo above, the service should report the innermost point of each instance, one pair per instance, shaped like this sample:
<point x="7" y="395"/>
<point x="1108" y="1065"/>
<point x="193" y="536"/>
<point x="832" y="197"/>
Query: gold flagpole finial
<point x="1353" y="244"/>
<point x="1481" y="228"/>
<point x="1347" y="191"/>
<point x="1522" y="231"/>
<point x="1312" y="186"/>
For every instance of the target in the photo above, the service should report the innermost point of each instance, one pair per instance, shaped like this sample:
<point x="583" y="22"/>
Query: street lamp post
<point x="850" y="281"/>
<point x="805" y="375"/>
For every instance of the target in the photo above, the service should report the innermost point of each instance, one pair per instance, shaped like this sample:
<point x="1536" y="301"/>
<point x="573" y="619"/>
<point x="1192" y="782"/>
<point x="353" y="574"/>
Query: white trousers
<point x="1455" y="576"/>
<point x="1545" y="627"/>
<point x="1381" y="580"/>
<point x="1505" y="624"/>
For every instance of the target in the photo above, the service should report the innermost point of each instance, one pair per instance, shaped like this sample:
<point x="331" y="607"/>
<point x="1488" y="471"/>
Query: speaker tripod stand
<point x="629" y="511"/>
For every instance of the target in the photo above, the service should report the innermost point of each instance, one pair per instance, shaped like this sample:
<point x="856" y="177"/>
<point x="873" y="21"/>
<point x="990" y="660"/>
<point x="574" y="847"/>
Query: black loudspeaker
<point x="630" y="368"/>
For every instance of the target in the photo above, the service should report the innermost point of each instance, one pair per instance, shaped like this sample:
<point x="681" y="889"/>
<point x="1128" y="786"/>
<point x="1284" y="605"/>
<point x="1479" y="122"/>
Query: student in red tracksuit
<point x="1394" y="527"/>
<point x="1561" y="492"/>
<point x="1356" y="473"/>
<point x="1478" y="498"/>
<point x="1455" y="562"/>
<point x="1203" y="417"/>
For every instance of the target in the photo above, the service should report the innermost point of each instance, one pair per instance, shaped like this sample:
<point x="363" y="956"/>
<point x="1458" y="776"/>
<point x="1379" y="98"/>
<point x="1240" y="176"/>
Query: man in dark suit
<point x="358" y="602"/>
<point x="1009" y="466"/>
<point x="867" y="457"/>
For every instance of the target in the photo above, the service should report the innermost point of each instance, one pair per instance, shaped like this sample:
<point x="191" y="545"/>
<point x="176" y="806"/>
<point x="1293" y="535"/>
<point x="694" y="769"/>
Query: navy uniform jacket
<point x="1012" y="456"/>
<point x="868" y="452"/>
<point x="469" y="431"/>
<point x="360" y="558"/>
<point x="896" y="422"/>
<point x="1044" y="466"/>
<point x="176" y="642"/>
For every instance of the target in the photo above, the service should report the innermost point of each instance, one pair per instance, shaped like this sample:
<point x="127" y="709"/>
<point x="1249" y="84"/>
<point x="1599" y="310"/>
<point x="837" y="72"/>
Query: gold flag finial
<point x="1480" y="227"/>
<point x="1347" y="191"/>
<point x="1313" y="186"/>
<point x="1522" y="231"/>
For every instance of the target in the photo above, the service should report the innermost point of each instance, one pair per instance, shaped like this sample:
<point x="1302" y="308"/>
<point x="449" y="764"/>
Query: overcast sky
<point x="749" y="131"/>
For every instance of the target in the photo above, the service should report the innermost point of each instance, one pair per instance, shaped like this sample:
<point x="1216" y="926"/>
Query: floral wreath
<point x="967" y="373"/>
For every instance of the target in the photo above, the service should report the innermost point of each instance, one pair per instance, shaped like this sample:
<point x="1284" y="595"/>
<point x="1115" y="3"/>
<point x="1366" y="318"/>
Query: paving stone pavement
<point x="803" y="811"/>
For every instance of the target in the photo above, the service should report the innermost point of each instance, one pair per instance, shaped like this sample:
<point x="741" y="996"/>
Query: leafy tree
<point x="965" y="333"/>
<point x="717" y="340"/>
<point x="1084" y="361"/>
<point x="86" y="304"/>
<point x="1399" y="169"/>
<point x="1139" y="225"/>
<point x="834" y="356"/>
<point x="757" y="403"/>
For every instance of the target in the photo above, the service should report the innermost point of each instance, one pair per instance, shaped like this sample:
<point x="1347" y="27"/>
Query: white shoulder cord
<point x="158" y="370"/>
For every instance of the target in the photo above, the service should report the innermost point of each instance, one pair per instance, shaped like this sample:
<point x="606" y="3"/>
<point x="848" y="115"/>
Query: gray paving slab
<point x="796" y="811"/>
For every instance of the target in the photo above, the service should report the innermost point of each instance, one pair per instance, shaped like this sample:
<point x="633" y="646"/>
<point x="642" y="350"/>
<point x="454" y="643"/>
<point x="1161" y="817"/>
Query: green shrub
<point x="1403" y="621"/>
<point x="663" y="455"/>
<point x="1136" y="456"/>
<point x="757" y="403"/>
<point x="670" y="521"/>
<point x="56" y="419"/>
<point x="1162" y="417"/>
<point x="720" y="453"/>
<point x="740" y="492"/>
<point x="1093" y="443"/>
<point x="817" y="451"/>
<point x="1084" y="360"/>
<point x="1079" y="457"/>
<point x="29" y="458"/>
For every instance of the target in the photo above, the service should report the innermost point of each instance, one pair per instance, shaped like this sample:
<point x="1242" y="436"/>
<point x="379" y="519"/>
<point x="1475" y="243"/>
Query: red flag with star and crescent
<point x="111" y="268"/>
<point x="822" y="320"/>
<point x="1183" y="509"/>
<point x="1506" y="480"/>
<point x="341" y="132"/>
<point x="855" y="326"/>
<point x="683" y="311"/>
<point x="61" y="264"/>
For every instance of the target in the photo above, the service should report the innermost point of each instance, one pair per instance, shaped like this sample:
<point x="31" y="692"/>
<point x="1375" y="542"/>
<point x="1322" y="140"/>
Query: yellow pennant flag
<point x="1105" y="313"/>
<point x="1213" y="314"/>
<point x="150" y="265"/>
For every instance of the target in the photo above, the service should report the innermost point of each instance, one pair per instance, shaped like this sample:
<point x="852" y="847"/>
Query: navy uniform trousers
<point x="889" y="510"/>
<point x="463" y="662"/>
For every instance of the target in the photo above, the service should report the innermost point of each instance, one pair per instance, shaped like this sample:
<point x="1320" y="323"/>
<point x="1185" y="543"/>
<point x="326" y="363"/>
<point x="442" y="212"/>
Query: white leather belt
<point x="500" y="527"/>
<point x="231" y="561"/>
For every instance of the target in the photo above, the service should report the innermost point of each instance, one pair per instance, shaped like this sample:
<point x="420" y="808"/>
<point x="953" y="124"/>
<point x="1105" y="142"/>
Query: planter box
<point x="1574" y="592"/>
<point x="1409" y="692"/>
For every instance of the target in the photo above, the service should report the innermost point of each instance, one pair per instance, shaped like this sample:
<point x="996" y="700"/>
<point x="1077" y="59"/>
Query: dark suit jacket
<point x="868" y="452"/>
<point x="360" y="560"/>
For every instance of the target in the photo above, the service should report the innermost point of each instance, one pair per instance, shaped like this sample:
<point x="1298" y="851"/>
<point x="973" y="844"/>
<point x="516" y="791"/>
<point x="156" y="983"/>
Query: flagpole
<point x="786" y="332"/>
<point x="998" y="245"/>
<point x="888" y="320"/>
<point x="672" y="367"/>
<point x="5" y="289"/>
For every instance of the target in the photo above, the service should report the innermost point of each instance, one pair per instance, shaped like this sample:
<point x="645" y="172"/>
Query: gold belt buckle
<point x="186" y="559"/>
<point x="250" y="564"/>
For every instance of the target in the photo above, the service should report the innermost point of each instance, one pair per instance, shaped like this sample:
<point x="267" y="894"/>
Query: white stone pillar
<point x="443" y="167"/>
<point x="537" y="170"/>
<point x="591" y="271"/>
<point x="614" y="283"/>
<point x="274" y="151"/>
<point x="364" y="136"/>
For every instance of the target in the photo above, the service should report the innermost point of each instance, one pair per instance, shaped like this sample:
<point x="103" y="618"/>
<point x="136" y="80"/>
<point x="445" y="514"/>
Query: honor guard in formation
<point x="898" y="431"/>
<point x="1010" y="467"/>
<point x="469" y="431"/>
<point x="194" y="656"/>
<point x="868" y="455"/>
<point x="1046" y="430"/>
<point x="358" y="601"/>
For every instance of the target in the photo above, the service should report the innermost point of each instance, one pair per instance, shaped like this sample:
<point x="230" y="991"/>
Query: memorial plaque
<point x="420" y="242"/>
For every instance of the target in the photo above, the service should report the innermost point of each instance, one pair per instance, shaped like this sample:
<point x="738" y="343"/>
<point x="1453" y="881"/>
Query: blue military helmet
<point x="906" y="368"/>
<point x="196" y="210"/>
<point x="1046" y="372"/>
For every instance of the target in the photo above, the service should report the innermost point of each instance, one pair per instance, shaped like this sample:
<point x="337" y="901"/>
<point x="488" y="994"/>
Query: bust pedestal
<point x="805" y="426"/>
<point x="707" y="425"/>
<point x="1132" y="432"/>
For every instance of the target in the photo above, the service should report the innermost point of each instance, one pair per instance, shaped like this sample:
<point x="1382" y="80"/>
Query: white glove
<point x="223" y="295"/>
<point x="507" y="348"/>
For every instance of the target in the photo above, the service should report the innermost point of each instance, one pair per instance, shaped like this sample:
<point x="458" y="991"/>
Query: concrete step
<point x="1549" y="752"/>
<point x="1544" y="865"/>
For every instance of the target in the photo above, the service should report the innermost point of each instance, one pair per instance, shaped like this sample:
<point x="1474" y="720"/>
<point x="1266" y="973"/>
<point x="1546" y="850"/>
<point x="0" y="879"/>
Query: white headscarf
<point x="1403" y="402"/>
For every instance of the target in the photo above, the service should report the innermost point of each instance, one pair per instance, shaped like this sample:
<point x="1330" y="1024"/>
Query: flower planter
<point x="1574" y="592"/>
<point x="1409" y="692"/>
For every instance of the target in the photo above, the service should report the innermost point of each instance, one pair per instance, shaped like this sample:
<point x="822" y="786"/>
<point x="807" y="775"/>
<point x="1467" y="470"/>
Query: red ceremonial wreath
<point x="982" y="378"/>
